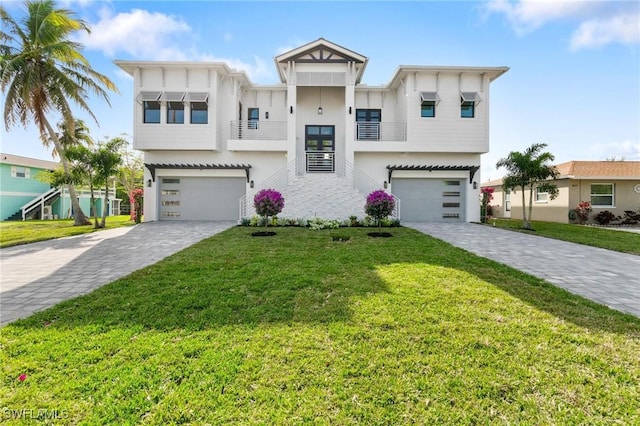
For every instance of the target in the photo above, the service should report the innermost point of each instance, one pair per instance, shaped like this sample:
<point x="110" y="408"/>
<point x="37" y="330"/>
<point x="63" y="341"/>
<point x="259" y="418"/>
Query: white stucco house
<point x="211" y="138"/>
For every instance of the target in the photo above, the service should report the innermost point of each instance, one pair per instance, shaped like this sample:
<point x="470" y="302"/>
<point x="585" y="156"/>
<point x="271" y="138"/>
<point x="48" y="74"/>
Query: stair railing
<point x="38" y="202"/>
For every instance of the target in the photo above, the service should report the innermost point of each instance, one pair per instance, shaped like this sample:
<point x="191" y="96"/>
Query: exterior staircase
<point x="323" y="195"/>
<point x="35" y="207"/>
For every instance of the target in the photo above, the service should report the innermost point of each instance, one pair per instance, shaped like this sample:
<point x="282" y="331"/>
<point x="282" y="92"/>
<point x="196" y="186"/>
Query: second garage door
<point x="430" y="200"/>
<point x="200" y="198"/>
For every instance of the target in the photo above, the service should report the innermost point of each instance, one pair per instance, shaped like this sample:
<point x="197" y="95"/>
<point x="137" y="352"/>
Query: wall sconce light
<point x="475" y="185"/>
<point x="320" y="111"/>
<point x="266" y="115"/>
<point x="291" y="109"/>
<point x="386" y="184"/>
<point x="149" y="183"/>
<point x="349" y="110"/>
<point x="251" y="184"/>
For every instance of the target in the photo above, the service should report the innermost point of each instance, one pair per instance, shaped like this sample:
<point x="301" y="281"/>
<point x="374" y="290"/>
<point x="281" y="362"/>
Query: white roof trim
<point x="470" y="97"/>
<point x="429" y="97"/>
<point x="172" y="96"/>
<point x="197" y="97"/>
<point x="148" y="96"/>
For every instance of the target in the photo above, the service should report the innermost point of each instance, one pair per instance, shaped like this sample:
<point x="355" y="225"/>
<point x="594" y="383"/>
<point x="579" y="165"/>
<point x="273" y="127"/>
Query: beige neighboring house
<point x="608" y="185"/>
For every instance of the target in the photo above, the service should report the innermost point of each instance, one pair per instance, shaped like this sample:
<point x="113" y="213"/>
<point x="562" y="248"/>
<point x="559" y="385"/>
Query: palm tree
<point x="529" y="169"/>
<point x="42" y="72"/>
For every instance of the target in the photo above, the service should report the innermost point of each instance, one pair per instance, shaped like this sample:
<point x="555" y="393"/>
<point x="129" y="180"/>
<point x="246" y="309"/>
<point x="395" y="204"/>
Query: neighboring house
<point x="607" y="185"/>
<point x="211" y="138"/>
<point x="24" y="196"/>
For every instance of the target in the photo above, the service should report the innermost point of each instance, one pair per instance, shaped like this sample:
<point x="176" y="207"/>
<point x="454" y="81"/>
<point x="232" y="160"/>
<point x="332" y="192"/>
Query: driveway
<point x="39" y="275"/>
<point x="607" y="277"/>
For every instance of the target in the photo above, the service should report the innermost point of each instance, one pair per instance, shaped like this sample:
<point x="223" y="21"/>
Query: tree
<point x="268" y="202"/>
<point x="531" y="170"/>
<point x="43" y="72"/>
<point x="379" y="206"/>
<point x="131" y="174"/>
<point x="107" y="160"/>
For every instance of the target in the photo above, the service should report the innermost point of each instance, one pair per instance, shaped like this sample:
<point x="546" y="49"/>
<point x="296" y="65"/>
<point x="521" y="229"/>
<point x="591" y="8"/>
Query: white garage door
<point x="430" y="200"/>
<point x="200" y="198"/>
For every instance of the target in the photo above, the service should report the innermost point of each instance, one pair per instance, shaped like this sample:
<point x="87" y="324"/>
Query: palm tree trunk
<point x="105" y="206"/>
<point x="525" y="223"/>
<point x="79" y="218"/>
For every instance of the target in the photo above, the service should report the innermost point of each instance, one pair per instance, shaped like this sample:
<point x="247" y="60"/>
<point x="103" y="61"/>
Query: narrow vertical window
<point x="254" y="116"/>
<point x="175" y="112"/>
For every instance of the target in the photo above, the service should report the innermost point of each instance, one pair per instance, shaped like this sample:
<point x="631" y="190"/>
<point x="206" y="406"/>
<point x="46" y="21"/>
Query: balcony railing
<point x="258" y="130"/>
<point x="385" y="131"/>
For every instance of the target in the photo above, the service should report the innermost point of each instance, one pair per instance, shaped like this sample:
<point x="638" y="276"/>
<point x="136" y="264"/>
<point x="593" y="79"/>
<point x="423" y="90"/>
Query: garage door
<point x="199" y="198"/>
<point x="430" y="200"/>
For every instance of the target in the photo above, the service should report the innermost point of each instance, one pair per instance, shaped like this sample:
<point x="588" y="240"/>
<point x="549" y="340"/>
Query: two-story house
<point x="211" y="138"/>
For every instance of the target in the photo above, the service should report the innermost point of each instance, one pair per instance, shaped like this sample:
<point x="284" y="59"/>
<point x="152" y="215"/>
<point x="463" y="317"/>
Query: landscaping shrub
<point x="583" y="211"/>
<point x="604" y="217"/>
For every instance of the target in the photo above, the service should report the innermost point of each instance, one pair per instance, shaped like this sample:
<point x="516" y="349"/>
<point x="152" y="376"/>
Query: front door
<point x="320" y="147"/>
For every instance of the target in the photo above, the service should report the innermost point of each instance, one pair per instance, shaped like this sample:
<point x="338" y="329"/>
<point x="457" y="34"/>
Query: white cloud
<point x="598" y="22"/>
<point x="628" y="149"/>
<point x="139" y="33"/>
<point x="258" y="71"/>
<point x="599" y="32"/>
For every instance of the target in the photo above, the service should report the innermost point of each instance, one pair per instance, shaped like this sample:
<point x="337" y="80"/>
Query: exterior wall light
<point x="149" y="183"/>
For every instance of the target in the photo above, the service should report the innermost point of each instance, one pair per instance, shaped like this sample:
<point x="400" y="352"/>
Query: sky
<point x="573" y="83"/>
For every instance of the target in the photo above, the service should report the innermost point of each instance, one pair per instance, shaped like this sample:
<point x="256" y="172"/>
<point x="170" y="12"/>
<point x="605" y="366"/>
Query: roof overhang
<point x="471" y="169"/>
<point x="403" y="70"/>
<point x="153" y="167"/>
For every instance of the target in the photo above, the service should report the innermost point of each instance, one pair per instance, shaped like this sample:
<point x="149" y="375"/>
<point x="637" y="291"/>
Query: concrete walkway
<point x="39" y="275"/>
<point x="604" y="276"/>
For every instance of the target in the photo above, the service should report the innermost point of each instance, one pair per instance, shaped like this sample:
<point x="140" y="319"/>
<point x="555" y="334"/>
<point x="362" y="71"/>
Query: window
<point x="175" y="113"/>
<point x="507" y="200"/>
<point x="20" y="172"/>
<point x="602" y="195"/>
<point x="254" y="116"/>
<point x="468" y="102"/>
<point x="199" y="113"/>
<point x="429" y="101"/>
<point x="151" y="111"/>
<point x="368" y="124"/>
<point x="541" y="196"/>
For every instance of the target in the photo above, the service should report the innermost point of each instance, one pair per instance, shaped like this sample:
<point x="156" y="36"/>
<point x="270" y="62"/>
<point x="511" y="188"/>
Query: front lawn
<point x="610" y="239"/>
<point x="304" y="328"/>
<point x="22" y="232"/>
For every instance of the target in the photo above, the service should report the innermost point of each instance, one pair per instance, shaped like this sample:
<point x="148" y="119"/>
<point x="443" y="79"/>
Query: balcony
<point x="250" y="135"/>
<point x="385" y="131"/>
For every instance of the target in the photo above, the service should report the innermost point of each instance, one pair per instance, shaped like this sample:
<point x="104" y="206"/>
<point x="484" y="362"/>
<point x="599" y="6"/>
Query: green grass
<point x="625" y="242"/>
<point x="14" y="233"/>
<point x="300" y="329"/>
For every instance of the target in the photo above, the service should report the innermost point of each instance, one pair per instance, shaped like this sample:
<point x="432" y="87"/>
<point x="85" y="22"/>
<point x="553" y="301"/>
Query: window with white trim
<point x="175" y="107"/>
<point x="541" y="196"/>
<point x="602" y="195"/>
<point x="20" y="172"/>
<point x="428" y="100"/>
<point x="468" y="102"/>
<point x="150" y="102"/>
<point x="199" y="107"/>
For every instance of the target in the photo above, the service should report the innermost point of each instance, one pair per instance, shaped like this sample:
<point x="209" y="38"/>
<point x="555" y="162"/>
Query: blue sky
<point x="574" y="81"/>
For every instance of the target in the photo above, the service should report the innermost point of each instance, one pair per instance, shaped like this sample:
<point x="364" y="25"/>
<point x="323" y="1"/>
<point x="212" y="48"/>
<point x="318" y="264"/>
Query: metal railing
<point x="258" y="130"/>
<point x="277" y="181"/>
<point x="385" y="131"/>
<point x="320" y="162"/>
<point x="39" y="202"/>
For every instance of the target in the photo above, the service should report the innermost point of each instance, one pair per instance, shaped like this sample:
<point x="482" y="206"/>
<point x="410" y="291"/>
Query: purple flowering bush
<point x="380" y="204"/>
<point x="268" y="202"/>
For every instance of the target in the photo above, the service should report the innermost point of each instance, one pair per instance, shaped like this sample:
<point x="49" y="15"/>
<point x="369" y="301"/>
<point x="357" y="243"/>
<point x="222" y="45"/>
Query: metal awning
<point x="153" y="167"/>
<point x="197" y="97"/>
<point x="429" y="97"/>
<point x="472" y="169"/>
<point x="148" y="96"/>
<point x="172" y="96"/>
<point x="470" y="97"/>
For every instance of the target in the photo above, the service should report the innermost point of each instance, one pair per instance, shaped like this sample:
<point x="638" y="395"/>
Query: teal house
<point x="24" y="195"/>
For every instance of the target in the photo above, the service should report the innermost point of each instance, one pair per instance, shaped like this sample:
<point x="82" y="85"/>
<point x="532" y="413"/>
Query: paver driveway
<point x="39" y="275"/>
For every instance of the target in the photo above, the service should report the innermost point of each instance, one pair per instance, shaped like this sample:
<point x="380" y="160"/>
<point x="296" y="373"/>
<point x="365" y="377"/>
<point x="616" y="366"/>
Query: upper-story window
<point x="175" y="106"/>
<point x="468" y="102"/>
<point x="150" y="106"/>
<point x="199" y="106"/>
<point x="602" y="195"/>
<point x="368" y="124"/>
<point x="20" y="172"/>
<point x="254" y="116"/>
<point x="428" y="106"/>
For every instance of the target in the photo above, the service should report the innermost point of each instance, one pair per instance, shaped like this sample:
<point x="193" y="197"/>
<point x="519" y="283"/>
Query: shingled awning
<point x="472" y="169"/>
<point x="153" y="167"/>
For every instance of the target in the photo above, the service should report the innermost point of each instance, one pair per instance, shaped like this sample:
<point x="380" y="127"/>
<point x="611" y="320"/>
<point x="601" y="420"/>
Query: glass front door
<point x="319" y="145"/>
